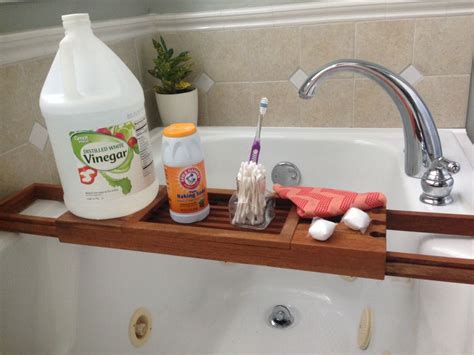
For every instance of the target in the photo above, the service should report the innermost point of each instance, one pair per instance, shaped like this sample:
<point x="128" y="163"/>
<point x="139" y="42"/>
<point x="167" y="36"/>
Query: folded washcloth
<point x="320" y="202"/>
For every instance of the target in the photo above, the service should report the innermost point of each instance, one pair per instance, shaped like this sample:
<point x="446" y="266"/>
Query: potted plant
<point x="177" y="99"/>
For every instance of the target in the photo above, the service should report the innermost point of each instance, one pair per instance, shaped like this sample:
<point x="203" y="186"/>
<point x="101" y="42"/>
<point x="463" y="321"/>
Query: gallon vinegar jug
<point x="94" y="111"/>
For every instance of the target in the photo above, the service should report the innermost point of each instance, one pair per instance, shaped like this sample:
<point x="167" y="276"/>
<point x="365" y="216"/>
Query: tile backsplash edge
<point x="25" y="45"/>
<point x="470" y="113"/>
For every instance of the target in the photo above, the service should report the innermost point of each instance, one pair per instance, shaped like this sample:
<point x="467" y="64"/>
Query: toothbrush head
<point x="263" y="105"/>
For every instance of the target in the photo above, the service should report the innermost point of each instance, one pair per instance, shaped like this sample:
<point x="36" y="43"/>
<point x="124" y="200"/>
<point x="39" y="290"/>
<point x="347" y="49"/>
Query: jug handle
<point x="67" y="69"/>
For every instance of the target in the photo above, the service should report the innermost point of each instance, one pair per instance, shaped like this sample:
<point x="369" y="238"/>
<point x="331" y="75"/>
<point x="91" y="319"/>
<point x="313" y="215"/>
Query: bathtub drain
<point x="280" y="317"/>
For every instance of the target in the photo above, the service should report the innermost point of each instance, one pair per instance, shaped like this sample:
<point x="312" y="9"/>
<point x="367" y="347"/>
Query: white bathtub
<point x="65" y="299"/>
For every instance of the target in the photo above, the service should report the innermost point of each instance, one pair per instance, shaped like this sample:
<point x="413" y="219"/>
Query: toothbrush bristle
<point x="254" y="156"/>
<point x="263" y="105"/>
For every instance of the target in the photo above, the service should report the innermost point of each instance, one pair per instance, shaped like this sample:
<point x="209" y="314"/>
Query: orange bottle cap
<point x="177" y="130"/>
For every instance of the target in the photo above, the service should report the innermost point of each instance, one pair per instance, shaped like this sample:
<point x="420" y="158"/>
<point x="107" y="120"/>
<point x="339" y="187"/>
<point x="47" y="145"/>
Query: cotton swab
<point x="250" y="194"/>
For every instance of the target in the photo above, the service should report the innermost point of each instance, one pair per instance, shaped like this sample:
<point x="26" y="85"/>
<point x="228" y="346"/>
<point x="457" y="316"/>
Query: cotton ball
<point x="356" y="219"/>
<point x="321" y="229"/>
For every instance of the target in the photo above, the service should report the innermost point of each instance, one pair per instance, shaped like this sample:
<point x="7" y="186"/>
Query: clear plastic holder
<point x="257" y="223"/>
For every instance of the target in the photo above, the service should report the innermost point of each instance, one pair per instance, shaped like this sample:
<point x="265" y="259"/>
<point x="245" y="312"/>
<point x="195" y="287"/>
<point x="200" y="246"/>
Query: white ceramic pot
<point x="175" y="108"/>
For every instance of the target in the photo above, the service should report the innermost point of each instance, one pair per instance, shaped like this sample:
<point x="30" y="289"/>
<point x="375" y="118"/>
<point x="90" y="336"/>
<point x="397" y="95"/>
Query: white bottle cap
<point x="72" y="19"/>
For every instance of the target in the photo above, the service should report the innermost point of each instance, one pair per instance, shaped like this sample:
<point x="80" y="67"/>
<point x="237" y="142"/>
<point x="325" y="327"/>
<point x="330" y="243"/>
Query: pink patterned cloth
<point x="320" y="202"/>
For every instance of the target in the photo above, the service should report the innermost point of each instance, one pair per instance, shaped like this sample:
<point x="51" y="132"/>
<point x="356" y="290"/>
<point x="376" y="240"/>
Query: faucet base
<point x="437" y="184"/>
<point x="436" y="201"/>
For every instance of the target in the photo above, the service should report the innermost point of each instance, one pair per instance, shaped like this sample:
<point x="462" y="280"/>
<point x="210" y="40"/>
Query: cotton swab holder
<point x="251" y="206"/>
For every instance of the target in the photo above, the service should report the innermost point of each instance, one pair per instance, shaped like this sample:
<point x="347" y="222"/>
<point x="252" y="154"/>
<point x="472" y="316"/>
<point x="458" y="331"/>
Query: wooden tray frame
<point x="346" y="253"/>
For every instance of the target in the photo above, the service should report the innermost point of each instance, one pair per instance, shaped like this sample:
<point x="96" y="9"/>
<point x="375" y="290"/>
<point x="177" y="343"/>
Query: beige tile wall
<point x="248" y="64"/>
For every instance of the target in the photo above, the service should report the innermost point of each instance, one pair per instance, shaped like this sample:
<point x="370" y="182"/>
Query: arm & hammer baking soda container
<point x="183" y="162"/>
<point x="94" y="111"/>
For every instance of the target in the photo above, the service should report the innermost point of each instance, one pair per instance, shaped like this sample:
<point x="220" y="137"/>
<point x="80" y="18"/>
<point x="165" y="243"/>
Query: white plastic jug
<point x="94" y="111"/>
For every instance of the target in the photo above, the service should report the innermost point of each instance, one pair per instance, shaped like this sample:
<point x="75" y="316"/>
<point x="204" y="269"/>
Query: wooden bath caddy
<point x="285" y="243"/>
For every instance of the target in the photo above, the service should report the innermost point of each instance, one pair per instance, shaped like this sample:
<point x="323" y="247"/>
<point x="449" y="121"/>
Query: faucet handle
<point x="450" y="165"/>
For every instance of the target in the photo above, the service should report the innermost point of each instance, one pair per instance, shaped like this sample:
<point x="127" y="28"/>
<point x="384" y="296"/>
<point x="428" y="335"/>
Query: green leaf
<point x="124" y="183"/>
<point x="163" y="44"/>
<point x="170" y="70"/>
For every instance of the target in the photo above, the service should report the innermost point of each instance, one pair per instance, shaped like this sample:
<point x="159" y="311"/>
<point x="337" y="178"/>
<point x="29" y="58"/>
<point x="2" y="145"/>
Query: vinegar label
<point x="187" y="191"/>
<point x="113" y="161"/>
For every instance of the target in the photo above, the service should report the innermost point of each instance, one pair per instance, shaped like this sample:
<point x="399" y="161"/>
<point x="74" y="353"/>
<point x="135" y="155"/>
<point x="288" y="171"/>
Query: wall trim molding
<point x="310" y="13"/>
<point x="20" y="46"/>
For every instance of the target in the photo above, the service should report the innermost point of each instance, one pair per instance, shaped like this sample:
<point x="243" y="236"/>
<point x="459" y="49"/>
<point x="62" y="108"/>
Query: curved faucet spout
<point x="422" y="143"/>
<point x="423" y="152"/>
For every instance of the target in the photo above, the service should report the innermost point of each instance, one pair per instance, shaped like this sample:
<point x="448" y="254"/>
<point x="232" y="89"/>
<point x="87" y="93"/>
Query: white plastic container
<point x="185" y="173"/>
<point x="94" y="111"/>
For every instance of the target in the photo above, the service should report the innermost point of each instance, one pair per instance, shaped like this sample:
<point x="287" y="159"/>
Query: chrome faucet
<point x="423" y="153"/>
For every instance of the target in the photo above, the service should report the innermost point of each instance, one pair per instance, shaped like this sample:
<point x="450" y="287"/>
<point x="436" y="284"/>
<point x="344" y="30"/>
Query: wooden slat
<point x="290" y="224"/>
<point x="28" y="224"/>
<point x="19" y="201"/>
<point x="155" y="222"/>
<point x="210" y="223"/>
<point x="22" y="199"/>
<point x="217" y="235"/>
<point x="10" y="208"/>
<point x="48" y="192"/>
<point x="431" y="222"/>
<point x="218" y="219"/>
<point x="156" y="203"/>
<point x="430" y="267"/>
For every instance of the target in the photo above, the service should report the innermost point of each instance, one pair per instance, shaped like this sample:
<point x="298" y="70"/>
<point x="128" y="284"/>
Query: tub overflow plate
<point x="286" y="174"/>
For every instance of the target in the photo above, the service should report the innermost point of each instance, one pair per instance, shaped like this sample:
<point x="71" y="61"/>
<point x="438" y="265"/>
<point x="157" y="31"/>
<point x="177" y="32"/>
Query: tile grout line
<point x="300" y="35"/>
<point x="252" y="68"/>
<point x="250" y="82"/>
<point x="447" y="75"/>
<point x="413" y="52"/>
<point x="285" y="81"/>
<point x="353" y="102"/>
<point x="354" y="77"/>
<point x="424" y="76"/>
<point x="14" y="148"/>
<point x="140" y="72"/>
<point x="31" y="105"/>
